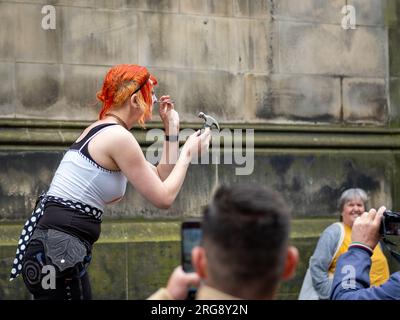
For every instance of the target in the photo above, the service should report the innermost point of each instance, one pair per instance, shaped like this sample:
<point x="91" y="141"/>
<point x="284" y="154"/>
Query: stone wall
<point x="286" y="68"/>
<point x="259" y="60"/>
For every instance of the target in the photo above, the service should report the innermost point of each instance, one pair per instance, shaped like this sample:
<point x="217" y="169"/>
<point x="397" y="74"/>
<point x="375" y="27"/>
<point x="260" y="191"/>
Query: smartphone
<point x="191" y="235"/>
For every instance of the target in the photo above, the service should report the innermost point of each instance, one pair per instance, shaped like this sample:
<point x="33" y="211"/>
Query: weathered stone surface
<point x="205" y="43"/>
<point x="331" y="50"/>
<point x="365" y="100"/>
<point x="394" y="48"/>
<point x="108" y="271"/>
<point x="22" y="178"/>
<point x="311" y="182"/>
<point x="369" y="12"/>
<point x="39" y="88"/>
<point x="252" y="8"/>
<point x="25" y="175"/>
<point x="206" y="7"/>
<point x="81" y="84"/>
<point x="215" y="93"/>
<point x="318" y="11"/>
<point x="153" y="5"/>
<point x="35" y="44"/>
<point x="304" y="98"/>
<point x="7" y="71"/>
<point x="394" y="88"/>
<point x="161" y="39"/>
<point x="143" y="281"/>
<point x="109" y="4"/>
<point x="195" y="191"/>
<point x="7" y="31"/>
<point x="99" y="37"/>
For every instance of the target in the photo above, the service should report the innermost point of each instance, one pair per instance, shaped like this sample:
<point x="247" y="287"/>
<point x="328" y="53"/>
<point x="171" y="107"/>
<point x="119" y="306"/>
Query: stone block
<point x="108" y="271"/>
<point x="317" y="11"/>
<point x="252" y="44"/>
<point x="217" y="93"/>
<point x="331" y="50"/>
<point x="252" y="8"/>
<point x="149" y="266"/>
<point x="23" y="177"/>
<point x="207" y="43"/>
<point x="7" y="86"/>
<point x="16" y="289"/>
<point x="8" y="39"/>
<point x="369" y="12"/>
<point x="206" y="7"/>
<point x="39" y="90"/>
<point x="81" y="83"/>
<point x="394" y="47"/>
<point x="365" y="100"/>
<point x="394" y="96"/>
<point x="298" y="98"/>
<point x="32" y="42"/>
<point x="99" y="37"/>
<point x="161" y="40"/>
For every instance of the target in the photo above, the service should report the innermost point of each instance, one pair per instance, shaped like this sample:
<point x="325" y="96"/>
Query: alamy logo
<point x="49" y="20"/>
<point x="49" y="280"/>
<point x="349" y="280"/>
<point x="349" y="20"/>
<point x="228" y="147"/>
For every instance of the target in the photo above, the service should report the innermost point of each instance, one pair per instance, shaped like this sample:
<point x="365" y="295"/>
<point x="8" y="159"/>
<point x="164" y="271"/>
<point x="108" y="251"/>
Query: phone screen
<point x="191" y="237"/>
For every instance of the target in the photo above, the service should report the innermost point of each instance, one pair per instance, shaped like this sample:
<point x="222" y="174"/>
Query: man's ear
<point x="199" y="261"/>
<point x="292" y="258"/>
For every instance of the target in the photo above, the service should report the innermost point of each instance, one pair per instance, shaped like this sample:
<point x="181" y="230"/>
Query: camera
<point x="390" y="225"/>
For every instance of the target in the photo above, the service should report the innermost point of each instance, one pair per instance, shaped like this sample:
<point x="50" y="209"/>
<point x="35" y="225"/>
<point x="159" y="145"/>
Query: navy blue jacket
<point x="351" y="279"/>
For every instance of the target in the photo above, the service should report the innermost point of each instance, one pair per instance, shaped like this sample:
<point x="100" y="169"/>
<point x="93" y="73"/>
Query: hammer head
<point x="209" y="121"/>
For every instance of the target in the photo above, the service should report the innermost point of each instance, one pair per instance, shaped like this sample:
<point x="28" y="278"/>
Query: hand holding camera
<point x="371" y="226"/>
<point x="366" y="228"/>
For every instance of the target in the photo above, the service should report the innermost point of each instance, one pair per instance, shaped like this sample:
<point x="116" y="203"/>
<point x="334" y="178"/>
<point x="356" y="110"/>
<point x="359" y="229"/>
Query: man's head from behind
<point x="245" y="249"/>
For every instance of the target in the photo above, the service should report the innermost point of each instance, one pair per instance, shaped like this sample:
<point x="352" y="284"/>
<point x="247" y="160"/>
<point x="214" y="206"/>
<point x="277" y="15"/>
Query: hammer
<point x="209" y="122"/>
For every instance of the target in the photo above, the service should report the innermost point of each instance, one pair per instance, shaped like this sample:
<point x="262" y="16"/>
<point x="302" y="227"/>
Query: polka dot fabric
<point x="31" y="223"/>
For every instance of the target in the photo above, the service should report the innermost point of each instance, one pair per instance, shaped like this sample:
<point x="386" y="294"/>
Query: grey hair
<point x="351" y="194"/>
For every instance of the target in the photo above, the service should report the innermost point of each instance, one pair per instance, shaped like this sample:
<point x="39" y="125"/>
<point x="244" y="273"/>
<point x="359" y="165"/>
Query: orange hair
<point x="121" y="82"/>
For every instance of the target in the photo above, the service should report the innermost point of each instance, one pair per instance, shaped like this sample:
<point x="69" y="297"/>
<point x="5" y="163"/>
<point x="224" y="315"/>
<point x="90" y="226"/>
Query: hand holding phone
<point x="191" y="234"/>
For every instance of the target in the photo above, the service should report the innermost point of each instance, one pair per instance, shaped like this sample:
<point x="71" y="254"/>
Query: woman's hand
<point x="196" y="144"/>
<point x="169" y="116"/>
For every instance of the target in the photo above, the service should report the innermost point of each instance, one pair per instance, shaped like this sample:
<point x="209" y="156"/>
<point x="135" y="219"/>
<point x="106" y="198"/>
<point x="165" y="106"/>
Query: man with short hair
<point x="245" y="250"/>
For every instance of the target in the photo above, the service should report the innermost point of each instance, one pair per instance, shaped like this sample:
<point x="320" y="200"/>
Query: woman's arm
<point x="321" y="260"/>
<point x="127" y="154"/>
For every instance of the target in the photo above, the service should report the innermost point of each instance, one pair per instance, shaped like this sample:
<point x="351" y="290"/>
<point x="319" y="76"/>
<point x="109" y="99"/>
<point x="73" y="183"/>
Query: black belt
<point x="31" y="223"/>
